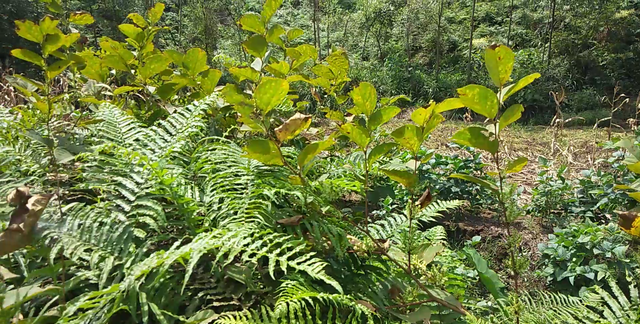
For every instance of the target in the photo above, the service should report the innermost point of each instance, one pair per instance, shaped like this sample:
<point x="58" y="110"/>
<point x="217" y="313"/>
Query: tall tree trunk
<point x="472" y="27"/>
<point x="439" y="40"/>
<point x="316" y="28"/>
<point x="180" y="22"/>
<point x="553" y="22"/>
<point x="510" y="23"/>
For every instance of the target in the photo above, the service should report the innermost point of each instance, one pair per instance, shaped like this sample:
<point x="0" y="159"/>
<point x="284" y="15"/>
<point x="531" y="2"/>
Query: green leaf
<point x="477" y="137"/>
<point x="264" y="151"/>
<point x="379" y="151"/>
<point x="364" y="98"/>
<point x="167" y="90"/>
<point x="433" y="122"/>
<point x="422" y="115"/>
<point x="252" y="22"/>
<point x="125" y="89"/>
<point x="323" y="71"/>
<point x="209" y="80"/>
<point x="481" y="182"/>
<point x="195" y="61"/>
<point x="94" y="68"/>
<point x="294" y="33"/>
<point x="274" y="33"/>
<point x="479" y="99"/>
<point x="245" y="73"/>
<point x="293" y="126"/>
<point x="357" y="134"/>
<point x="516" y="165"/>
<point x="430" y="253"/>
<point x="339" y="63"/>
<point x="138" y="20"/>
<point x="510" y="115"/>
<point x="269" y="8"/>
<point x="302" y="54"/>
<point x="48" y="25"/>
<point x="51" y="43"/>
<point x="155" y="13"/>
<point x="81" y="18"/>
<point x="313" y="149"/>
<point x="488" y="277"/>
<point x="56" y="68"/>
<point x="29" y="30"/>
<point x="153" y="65"/>
<point x="634" y="195"/>
<point x="130" y="30"/>
<point x="62" y="155"/>
<point x="116" y="62"/>
<point x="406" y="178"/>
<point x="449" y="104"/>
<point x="234" y="95"/>
<point x="29" y="56"/>
<point x="21" y="295"/>
<point x="279" y="69"/>
<point x="409" y="136"/>
<point x="256" y="46"/>
<point x="270" y="93"/>
<point x="382" y="116"/>
<point x="54" y="6"/>
<point x="392" y="100"/>
<point x="508" y="91"/>
<point x="499" y="60"/>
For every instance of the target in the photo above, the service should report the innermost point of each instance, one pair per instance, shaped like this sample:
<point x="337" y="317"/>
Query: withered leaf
<point x="425" y="199"/>
<point x="366" y="304"/>
<point x="291" y="221"/>
<point x="293" y="126"/>
<point x="626" y="219"/>
<point x="19" y="196"/>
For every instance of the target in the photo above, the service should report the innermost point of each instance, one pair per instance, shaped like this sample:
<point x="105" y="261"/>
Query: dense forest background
<point x="423" y="48"/>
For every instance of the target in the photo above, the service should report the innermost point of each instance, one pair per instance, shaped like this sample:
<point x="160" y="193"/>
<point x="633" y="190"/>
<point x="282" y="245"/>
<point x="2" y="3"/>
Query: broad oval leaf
<point x="155" y="13"/>
<point x="357" y="134"/>
<point x="195" y="61"/>
<point x="153" y="65"/>
<point x="270" y="93"/>
<point x="279" y="69"/>
<point x="313" y="149"/>
<point x="269" y="8"/>
<point x="379" y="151"/>
<point x="406" y="178"/>
<point x="392" y="100"/>
<point x="274" y="33"/>
<point x="29" y="56"/>
<point x="138" y="20"/>
<point x="339" y="63"/>
<point x="421" y="115"/>
<point x="264" y="151"/>
<point x="209" y="80"/>
<point x="511" y="89"/>
<point x="364" y="98"/>
<point x="130" y="30"/>
<point x="510" y="115"/>
<point x="293" y="126"/>
<point x="477" y="137"/>
<point x="516" y="165"/>
<point x="81" y="18"/>
<point x="449" y="104"/>
<point x="245" y="73"/>
<point x="409" y="137"/>
<point x="52" y="42"/>
<point x="56" y="68"/>
<point x="29" y="30"/>
<point x="479" y="99"/>
<point x="252" y="22"/>
<point x="499" y="60"/>
<point x="382" y="116"/>
<point x="484" y="183"/>
<point x="256" y="46"/>
<point x="488" y="277"/>
<point x="294" y="33"/>
<point x="433" y="122"/>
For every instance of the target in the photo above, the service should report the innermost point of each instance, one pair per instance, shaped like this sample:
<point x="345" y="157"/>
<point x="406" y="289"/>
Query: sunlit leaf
<point x="449" y="104"/>
<point x="252" y="22"/>
<point x="81" y="18"/>
<point x="516" y="165"/>
<point x="392" y="100"/>
<point x="125" y="89"/>
<point x="511" y="89"/>
<point x="245" y="73"/>
<point x="357" y="134"/>
<point x="153" y="65"/>
<point x="195" y="61"/>
<point x="422" y="115"/>
<point x="279" y="69"/>
<point x="270" y="93"/>
<point x="477" y="137"/>
<point x="256" y="46"/>
<point x="481" y="182"/>
<point x="406" y="178"/>
<point x="130" y="30"/>
<point x="29" y="30"/>
<point x="274" y="33"/>
<point x="293" y="126"/>
<point x="294" y="33"/>
<point x="155" y="13"/>
<point x="29" y="56"/>
<point x="431" y="125"/>
<point x="408" y="136"/>
<point x="364" y="98"/>
<point x="138" y="20"/>
<point x="480" y="99"/>
<point x="382" y="116"/>
<point x="48" y="25"/>
<point x="313" y="149"/>
<point x="56" y="68"/>
<point x="209" y="80"/>
<point x="339" y="63"/>
<point x="510" y="115"/>
<point x="264" y="151"/>
<point x="51" y="43"/>
<point x="23" y="294"/>
<point x="269" y="8"/>
<point x="499" y="60"/>
<point x="323" y="71"/>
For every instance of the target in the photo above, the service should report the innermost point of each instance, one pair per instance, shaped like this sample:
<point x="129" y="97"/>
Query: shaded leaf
<point x="379" y="151"/>
<point x="274" y="33"/>
<point x="294" y="33"/>
<point x="153" y="65"/>
<point x="245" y="73"/>
<point x="21" y="295"/>
<point x="209" y="80"/>
<point x="481" y="182"/>
<point x="488" y="277"/>
<point x="313" y="149"/>
<point x="406" y="178"/>
<point x="56" y="68"/>
<point x="256" y="46"/>
<point x="279" y="69"/>
<point x="125" y="89"/>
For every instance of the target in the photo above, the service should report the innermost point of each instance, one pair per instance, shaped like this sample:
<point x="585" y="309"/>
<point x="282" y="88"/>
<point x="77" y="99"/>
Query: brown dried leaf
<point x="18" y="196"/>
<point x="366" y="304"/>
<point x="291" y="221"/>
<point x="426" y="199"/>
<point x="626" y="219"/>
<point x="394" y="292"/>
<point x="293" y="126"/>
